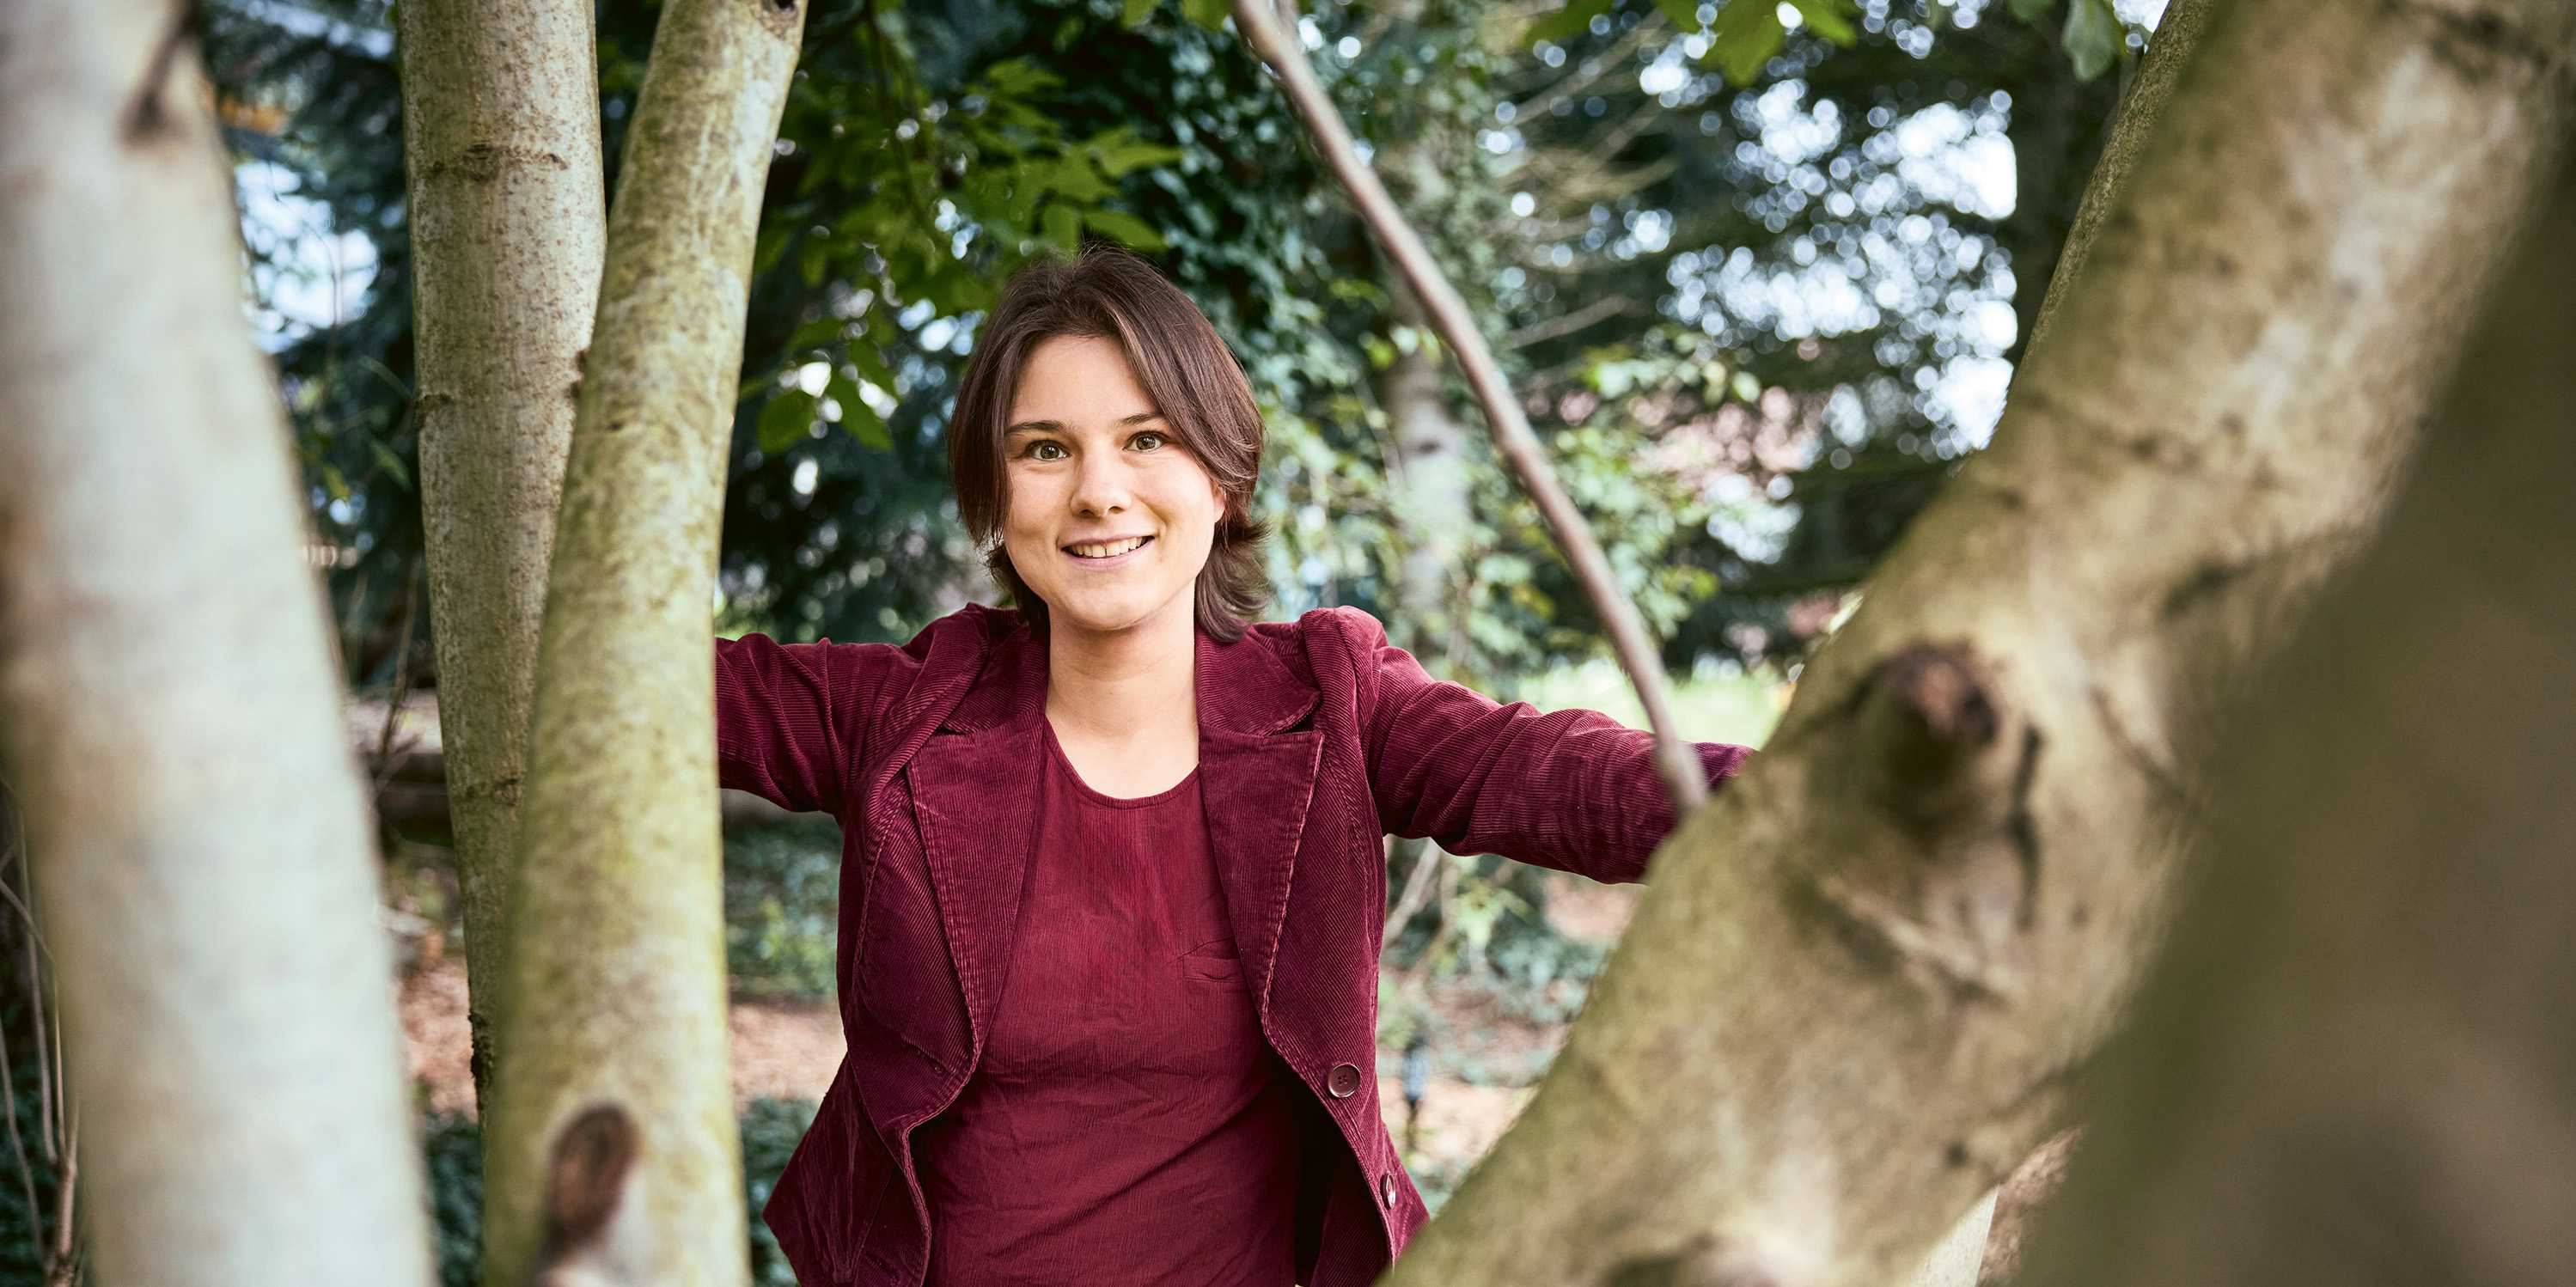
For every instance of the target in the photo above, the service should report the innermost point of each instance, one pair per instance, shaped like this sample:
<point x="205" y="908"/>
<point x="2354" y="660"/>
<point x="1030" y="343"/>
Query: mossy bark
<point x="203" y="865"/>
<point x="616" y="986"/>
<point x="1865" y="976"/>
<point x="508" y="227"/>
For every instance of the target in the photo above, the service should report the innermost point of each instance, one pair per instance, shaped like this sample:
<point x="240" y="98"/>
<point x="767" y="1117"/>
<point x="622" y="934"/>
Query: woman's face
<point x="1090" y="463"/>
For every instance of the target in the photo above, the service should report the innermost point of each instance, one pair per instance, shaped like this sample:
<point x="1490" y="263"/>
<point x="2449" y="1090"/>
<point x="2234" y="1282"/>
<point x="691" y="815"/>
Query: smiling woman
<point x="1114" y="886"/>
<point x="1101" y="406"/>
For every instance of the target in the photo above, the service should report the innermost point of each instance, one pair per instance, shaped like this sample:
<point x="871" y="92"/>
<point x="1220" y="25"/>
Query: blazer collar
<point x="1243" y="687"/>
<point x="979" y="826"/>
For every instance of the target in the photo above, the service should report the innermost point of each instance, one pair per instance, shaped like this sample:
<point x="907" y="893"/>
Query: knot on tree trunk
<point x="1931" y="715"/>
<point x="1939" y="870"/>
<point x="586" y="1180"/>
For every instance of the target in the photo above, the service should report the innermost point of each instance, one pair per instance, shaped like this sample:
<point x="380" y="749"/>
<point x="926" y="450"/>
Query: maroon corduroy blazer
<point x="1316" y="737"/>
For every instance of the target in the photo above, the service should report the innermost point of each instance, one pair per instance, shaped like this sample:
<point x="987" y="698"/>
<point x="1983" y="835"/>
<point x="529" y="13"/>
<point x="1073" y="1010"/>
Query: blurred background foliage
<point x="1759" y="272"/>
<point x="1759" y="283"/>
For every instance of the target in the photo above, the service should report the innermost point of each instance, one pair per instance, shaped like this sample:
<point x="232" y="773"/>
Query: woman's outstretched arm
<point x="1573" y="789"/>
<point x="791" y="719"/>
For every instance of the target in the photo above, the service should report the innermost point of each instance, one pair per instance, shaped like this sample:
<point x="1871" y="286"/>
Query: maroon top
<point x="1126" y="1122"/>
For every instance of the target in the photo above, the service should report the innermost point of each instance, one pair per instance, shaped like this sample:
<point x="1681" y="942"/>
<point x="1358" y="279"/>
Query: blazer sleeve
<point x="792" y="719"/>
<point x="1573" y="789"/>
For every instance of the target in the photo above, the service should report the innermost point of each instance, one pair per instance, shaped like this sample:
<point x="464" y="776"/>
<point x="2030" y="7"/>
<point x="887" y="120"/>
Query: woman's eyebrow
<point x="1055" y="426"/>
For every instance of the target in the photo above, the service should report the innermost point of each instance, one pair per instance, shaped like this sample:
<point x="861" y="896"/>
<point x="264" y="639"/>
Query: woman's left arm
<point x="1574" y="789"/>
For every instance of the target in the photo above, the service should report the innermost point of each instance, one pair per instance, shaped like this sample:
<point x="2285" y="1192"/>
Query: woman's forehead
<point x="1069" y="377"/>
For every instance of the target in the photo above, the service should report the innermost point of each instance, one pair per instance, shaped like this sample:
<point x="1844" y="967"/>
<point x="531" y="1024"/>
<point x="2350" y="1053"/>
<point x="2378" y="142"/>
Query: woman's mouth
<point x="1106" y="554"/>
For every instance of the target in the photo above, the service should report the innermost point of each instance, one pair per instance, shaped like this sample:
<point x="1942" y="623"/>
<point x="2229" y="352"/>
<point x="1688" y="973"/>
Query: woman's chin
<point x="1104" y="613"/>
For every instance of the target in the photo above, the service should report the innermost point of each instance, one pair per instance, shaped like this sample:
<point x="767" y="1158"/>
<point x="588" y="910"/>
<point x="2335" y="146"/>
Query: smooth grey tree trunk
<point x="612" y="1027"/>
<point x="206" y="876"/>
<point x="508" y="228"/>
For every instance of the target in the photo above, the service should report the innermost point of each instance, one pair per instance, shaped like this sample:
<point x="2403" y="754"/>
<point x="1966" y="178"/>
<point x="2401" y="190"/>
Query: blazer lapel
<point x="976" y="803"/>
<point x="1256" y="790"/>
<point x="1255" y="783"/>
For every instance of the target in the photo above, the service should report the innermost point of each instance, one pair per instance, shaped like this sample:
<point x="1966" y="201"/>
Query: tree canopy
<point x="1760" y="306"/>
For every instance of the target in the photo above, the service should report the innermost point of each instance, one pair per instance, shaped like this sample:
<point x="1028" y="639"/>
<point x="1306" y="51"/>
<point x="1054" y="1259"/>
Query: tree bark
<point x="508" y="227"/>
<point x="2352" y="1066"/>
<point x="1987" y="1239"/>
<point x="1435" y="509"/>
<point x="616" y="994"/>
<point x="1865" y="976"/>
<point x="2177" y="35"/>
<point x="170" y="713"/>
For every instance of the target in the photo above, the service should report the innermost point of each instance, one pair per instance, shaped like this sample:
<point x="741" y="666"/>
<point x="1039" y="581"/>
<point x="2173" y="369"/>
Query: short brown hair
<point x="1185" y="367"/>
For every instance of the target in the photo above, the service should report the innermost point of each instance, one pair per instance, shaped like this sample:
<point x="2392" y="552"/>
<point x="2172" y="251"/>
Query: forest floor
<point x="790" y="1049"/>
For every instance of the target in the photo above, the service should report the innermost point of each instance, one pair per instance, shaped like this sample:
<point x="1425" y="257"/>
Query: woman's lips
<point x="1112" y="561"/>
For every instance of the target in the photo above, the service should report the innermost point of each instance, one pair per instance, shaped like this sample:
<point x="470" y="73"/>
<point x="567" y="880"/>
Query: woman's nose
<point x="1102" y="485"/>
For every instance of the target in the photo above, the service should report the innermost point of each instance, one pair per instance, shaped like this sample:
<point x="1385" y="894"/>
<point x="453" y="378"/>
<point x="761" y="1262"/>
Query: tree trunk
<point x="616" y="992"/>
<point x="1864" y="978"/>
<point x="508" y="226"/>
<point x="1434" y="499"/>
<point x="207" y="882"/>
<point x="2353" y="1065"/>
<point x="1987" y="1239"/>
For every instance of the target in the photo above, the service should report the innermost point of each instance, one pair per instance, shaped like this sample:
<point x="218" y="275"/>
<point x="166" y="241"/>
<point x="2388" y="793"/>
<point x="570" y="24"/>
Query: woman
<point x="1113" y="873"/>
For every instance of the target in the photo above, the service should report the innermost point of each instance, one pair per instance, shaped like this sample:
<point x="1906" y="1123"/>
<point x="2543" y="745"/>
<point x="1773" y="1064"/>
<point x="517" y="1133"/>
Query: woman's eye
<point x="1148" y="439"/>
<point x="1043" y="445"/>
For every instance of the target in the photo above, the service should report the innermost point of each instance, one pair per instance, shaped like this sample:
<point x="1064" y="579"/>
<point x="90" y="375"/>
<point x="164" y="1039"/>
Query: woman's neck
<point x="1123" y="685"/>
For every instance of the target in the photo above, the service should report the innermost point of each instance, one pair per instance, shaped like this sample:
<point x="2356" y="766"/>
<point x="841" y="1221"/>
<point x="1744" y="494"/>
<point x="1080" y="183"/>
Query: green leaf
<point x="1210" y="14"/>
<point x="1745" y="35"/>
<point x="954" y="289"/>
<point x="1567" y="23"/>
<point x="1017" y="78"/>
<point x="1356" y="288"/>
<point x="1073" y="177"/>
<point x="392" y="464"/>
<point x="1683" y="14"/>
<point x="871" y="363"/>
<point x="788" y="417"/>
<point x="1136" y="13"/>
<point x="1127" y="228"/>
<point x="857" y="417"/>
<point x="1119" y="151"/>
<point x="2032" y="10"/>
<point x="1830" y="19"/>
<point x="1063" y="225"/>
<point x="822" y="330"/>
<point x="2094" y="37"/>
<point x="771" y="244"/>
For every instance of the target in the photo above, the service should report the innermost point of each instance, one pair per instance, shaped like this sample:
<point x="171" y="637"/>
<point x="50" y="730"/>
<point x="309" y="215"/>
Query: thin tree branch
<point x="1590" y="71"/>
<point x="1675" y="757"/>
<point x="1417" y="886"/>
<point x="1602" y="309"/>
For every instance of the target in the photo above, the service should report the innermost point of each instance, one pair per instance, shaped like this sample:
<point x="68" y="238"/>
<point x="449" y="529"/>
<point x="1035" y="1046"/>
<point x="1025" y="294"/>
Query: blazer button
<point x="1343" y="1081"/>
<point x="1386" y="1189"/>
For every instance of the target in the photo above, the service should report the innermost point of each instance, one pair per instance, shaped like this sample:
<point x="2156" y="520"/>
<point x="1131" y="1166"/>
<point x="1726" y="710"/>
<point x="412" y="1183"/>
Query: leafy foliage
<point x="1751" y="459"/>
<point x="782" y="891"/>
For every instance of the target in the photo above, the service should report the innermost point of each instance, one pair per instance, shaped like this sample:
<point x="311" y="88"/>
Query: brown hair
<point x="1185" y="367"/>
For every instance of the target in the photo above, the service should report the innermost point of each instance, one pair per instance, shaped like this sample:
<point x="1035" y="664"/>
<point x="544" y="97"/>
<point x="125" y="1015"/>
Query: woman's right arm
<point x="791" y="719"/>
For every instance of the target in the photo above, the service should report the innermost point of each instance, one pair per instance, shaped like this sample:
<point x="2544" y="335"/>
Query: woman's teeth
<point x="1109" y="549"/>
